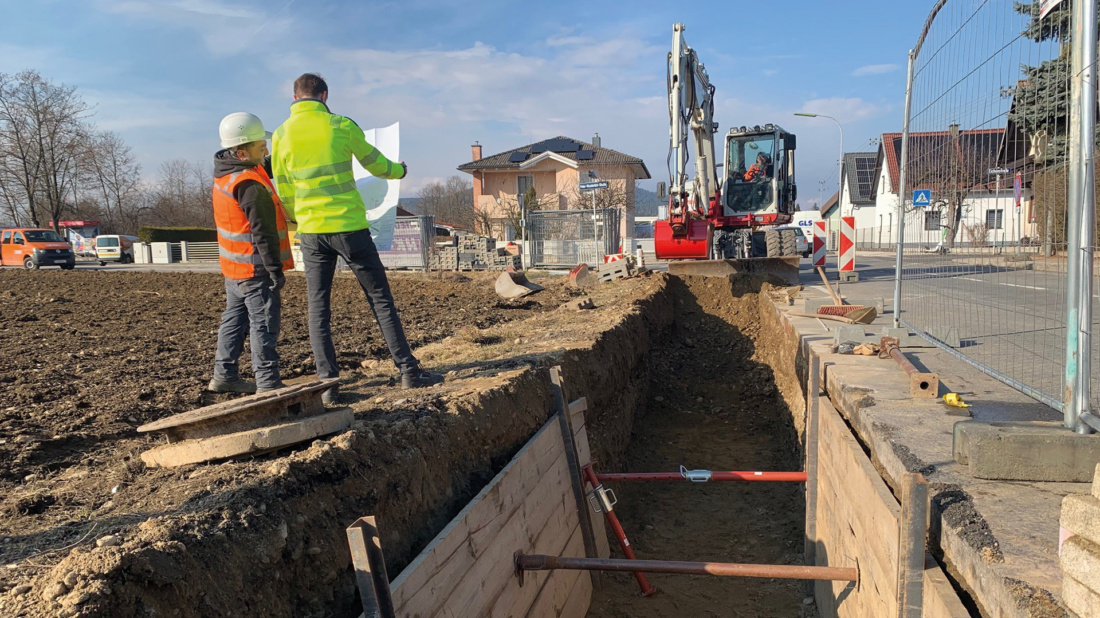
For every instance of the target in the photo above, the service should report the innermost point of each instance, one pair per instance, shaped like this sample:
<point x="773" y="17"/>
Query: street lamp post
<point x="840" y="161"/>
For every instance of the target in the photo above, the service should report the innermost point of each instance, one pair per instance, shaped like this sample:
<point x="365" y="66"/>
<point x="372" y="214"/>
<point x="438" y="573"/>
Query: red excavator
<point x="727" y="218"/>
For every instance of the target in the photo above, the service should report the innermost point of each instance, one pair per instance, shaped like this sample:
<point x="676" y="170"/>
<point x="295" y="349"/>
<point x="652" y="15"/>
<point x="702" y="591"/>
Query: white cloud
<point x="874" y="69"/>
<point x="844" y="109"/>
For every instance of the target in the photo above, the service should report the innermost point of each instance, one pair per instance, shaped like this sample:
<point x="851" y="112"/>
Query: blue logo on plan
<point x="922" y="197"/>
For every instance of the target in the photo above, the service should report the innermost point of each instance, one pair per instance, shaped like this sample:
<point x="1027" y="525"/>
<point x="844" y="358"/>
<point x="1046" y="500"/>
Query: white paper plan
<point x="380" y="196"/>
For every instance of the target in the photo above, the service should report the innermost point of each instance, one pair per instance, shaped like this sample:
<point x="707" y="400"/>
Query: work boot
<point x="331" y="396"/>
<point x="231" y="386"/>
<point x="419" y="378"/>
<point x="274" y="387"/>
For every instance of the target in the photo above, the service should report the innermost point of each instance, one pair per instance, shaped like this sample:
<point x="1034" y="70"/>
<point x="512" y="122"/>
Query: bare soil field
<point x="86" y="357"/>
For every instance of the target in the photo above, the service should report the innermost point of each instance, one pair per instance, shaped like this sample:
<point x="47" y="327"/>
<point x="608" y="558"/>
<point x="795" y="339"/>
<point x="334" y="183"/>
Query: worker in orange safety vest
<point x="254" y="252"/>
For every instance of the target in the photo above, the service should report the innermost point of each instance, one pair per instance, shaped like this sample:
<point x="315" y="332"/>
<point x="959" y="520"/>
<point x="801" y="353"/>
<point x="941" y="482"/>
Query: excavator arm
<point x="687" y="234"/>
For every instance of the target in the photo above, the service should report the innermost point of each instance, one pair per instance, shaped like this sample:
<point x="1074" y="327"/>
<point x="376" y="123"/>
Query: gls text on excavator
<point x="721" y="218"/>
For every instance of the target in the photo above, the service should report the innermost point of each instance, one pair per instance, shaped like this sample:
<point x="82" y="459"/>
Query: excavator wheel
<point x="774" y="243"/>
<point x="789" y="241"/>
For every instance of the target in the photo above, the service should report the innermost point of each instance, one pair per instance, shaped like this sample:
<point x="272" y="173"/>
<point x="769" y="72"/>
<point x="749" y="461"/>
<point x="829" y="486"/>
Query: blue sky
<point x="163" y="73"/>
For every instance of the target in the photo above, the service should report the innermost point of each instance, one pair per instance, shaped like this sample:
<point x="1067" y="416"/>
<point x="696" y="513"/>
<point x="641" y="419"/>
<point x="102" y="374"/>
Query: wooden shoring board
<point x="858" y="521"/>
<point x="584" y="456"/>
<point x="467" y="570"/>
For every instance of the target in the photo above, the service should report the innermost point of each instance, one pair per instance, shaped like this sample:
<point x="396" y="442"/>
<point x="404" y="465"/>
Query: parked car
<point x="803" y="244"/>
<point x="33" y="248"/>
<point x="114" y="248"/>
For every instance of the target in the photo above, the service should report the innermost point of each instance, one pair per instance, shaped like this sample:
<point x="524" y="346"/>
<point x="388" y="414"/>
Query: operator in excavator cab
<point x="759" y="170"/>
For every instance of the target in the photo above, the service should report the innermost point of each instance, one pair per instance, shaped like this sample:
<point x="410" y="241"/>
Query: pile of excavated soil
<point x="86" y="529"/>
<point x="716" y="407"/>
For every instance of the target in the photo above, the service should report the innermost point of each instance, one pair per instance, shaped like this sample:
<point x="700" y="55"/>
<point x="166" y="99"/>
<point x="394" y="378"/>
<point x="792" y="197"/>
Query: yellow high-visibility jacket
<point x="311" y="159"/>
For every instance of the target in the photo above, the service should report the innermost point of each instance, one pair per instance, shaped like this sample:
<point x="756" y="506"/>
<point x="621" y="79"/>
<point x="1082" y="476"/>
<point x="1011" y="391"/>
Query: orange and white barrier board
<point x="846" y="257"/>
<point x="819" y="243"/>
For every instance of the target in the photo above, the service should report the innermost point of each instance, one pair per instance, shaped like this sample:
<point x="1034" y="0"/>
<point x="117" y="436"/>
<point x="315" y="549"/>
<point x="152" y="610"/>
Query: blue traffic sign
<point x="922" y="197"/>
<point x="590" y="186"/>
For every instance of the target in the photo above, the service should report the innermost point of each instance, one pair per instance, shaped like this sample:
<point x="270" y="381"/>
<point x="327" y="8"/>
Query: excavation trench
<point x="716" y="404"/>
<point x="697" y="372"/>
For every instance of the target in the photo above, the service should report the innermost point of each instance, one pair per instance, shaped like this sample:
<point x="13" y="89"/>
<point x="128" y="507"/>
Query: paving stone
<point x="1080" y="559"/>
<point x="1080" y="599"/>
<point x="1081" y="516"/>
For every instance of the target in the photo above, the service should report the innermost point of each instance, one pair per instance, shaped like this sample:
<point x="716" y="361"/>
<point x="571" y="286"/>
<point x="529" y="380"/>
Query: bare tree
<point x="43" y="127"/>
<point x="112" y="174"/>
<point x="182" y="195"/>
<point x="952" y="164"/>
<point x="450" y="202"/>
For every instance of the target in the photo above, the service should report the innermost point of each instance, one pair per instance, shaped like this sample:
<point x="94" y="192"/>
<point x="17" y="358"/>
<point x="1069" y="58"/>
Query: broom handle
<point x="825" y="280"/>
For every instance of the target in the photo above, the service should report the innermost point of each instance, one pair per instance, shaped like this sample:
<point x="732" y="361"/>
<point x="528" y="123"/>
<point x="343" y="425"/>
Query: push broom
<point x="856" y="313"/>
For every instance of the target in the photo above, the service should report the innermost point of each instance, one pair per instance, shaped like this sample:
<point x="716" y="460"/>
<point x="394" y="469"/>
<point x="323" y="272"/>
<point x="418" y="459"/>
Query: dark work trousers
<point x="319" y="254"/>
<point x="251" y="305"/>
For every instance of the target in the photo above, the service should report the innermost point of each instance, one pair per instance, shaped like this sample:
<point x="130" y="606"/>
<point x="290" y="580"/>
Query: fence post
<point x="898" y="259"/>
<point x="1081" y="217"/>
<point x="183" y="251"/>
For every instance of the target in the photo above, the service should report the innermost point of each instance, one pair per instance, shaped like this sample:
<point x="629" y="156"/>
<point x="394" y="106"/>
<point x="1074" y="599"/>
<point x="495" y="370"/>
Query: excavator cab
<point x="759" y="180"/>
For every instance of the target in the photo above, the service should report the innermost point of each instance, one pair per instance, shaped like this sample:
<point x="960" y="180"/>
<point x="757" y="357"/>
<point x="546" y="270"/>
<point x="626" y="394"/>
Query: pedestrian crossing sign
<point x="922" y="197"/>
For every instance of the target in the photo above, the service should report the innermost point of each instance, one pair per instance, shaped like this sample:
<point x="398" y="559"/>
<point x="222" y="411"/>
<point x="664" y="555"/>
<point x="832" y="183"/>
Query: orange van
<point x="32" y="248"/>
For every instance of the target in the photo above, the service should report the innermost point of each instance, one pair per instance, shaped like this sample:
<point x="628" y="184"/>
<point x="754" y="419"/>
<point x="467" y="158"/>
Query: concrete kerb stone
<point x="1026" y="451"/>
<point x="971" y="520"/>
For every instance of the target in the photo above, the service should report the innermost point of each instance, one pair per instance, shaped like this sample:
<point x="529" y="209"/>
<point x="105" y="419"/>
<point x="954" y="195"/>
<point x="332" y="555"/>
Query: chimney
<point x="476" y="150"/>
<point x="596" y="140"/>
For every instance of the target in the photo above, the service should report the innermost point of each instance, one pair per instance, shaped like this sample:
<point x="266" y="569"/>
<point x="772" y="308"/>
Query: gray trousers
<point x="319" y="254"/>
<point x="251" y="305"/>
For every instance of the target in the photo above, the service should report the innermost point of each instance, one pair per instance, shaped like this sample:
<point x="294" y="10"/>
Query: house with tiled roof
<point x="989" y="198"/>
<point x="553" y="167"/>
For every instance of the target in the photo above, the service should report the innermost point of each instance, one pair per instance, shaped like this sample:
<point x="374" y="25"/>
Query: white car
<point x="804" y="247"/>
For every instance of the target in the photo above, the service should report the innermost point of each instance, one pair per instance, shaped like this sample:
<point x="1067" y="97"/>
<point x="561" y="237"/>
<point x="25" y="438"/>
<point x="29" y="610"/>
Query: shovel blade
<point x="511" y="285"/>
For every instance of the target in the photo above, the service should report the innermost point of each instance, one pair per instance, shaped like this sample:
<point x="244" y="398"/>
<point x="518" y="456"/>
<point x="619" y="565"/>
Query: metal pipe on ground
<point x="702" y="476"/>
<point x="539" y="562"/>
<point x="922" y="385"/>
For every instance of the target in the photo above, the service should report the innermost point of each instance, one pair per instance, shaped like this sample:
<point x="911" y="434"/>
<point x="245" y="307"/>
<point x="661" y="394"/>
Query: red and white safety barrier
<point x="819" y="243"/>
<point x="846" y="257"/>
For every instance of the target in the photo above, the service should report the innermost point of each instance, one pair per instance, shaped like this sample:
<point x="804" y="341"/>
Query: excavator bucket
<point x="696" y="244"/>
<point x="512" y="285"/>
<point x="783" y="268"/>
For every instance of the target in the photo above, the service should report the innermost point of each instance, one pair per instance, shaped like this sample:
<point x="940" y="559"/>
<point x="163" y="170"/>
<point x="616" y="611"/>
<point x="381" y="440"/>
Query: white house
<point x="989" y="200"/>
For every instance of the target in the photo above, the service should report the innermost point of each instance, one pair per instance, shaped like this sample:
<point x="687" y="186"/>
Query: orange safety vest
<point x="755" y="170"/>
<point x="239" y="257"/>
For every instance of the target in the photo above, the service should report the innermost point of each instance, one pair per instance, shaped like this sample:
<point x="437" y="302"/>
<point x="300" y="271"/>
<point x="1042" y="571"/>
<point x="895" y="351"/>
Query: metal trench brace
<point x="603" y="501"/>
<point x="921" y="385"/>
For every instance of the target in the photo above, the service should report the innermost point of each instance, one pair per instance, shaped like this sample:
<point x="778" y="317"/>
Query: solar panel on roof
<point x="539" y="147"/>
<point x="585" y="155"/>
<point x="517" y="157"/>
<point x="562" y="145"/>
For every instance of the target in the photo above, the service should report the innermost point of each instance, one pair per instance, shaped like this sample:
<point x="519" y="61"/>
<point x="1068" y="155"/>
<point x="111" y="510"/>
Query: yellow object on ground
<point x="953" y="399"/>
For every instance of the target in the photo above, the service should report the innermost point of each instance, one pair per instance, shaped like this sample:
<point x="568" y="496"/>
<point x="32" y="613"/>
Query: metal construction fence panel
<point x="412" y="242"/>
<point x="565" y="238"/>
<point x="982" y="173"/>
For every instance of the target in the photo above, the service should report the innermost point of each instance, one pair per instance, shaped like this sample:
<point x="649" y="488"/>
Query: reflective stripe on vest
<point x="238" y="254"/>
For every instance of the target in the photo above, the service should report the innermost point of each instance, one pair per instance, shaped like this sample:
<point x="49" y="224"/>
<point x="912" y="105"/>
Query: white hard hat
<point x="241" y="128"/>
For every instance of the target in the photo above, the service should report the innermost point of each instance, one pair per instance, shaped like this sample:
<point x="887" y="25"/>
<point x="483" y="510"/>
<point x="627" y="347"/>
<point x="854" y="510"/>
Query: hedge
<point x="177" y="234"/>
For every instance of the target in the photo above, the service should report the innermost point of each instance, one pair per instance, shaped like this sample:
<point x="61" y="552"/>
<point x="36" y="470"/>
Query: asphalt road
<point x="1012" y="320"/>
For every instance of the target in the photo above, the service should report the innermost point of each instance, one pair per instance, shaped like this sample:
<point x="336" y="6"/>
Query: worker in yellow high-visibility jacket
<point x="311" y="161"/>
